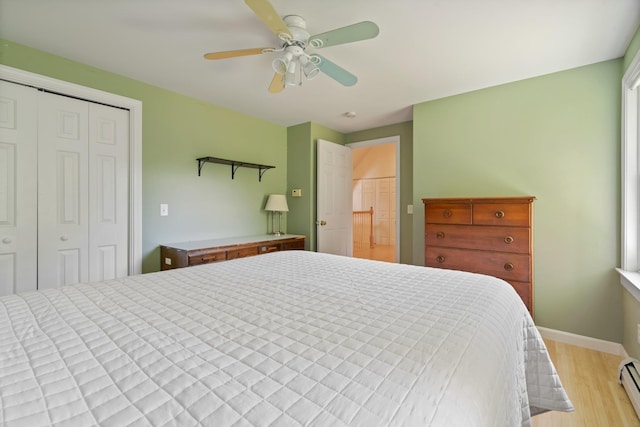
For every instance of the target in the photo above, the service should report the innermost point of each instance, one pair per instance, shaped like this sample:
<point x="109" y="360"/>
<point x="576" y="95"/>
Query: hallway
<point x="378" y="252"/>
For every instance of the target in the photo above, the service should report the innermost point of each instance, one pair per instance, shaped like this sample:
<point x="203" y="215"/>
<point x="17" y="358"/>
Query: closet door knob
<point x="6" y="240"/>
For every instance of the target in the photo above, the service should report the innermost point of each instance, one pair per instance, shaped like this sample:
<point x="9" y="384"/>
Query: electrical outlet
<point x="296" y="192"/>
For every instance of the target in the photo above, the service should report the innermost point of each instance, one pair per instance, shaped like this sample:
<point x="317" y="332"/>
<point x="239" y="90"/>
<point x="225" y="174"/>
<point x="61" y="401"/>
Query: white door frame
<point x="396" y="141"/>
<point x="135" y="143"/>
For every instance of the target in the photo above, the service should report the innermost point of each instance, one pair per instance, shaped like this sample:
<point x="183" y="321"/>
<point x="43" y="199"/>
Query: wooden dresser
<point x="186" y="254"/>
<point x="491" y="236"/>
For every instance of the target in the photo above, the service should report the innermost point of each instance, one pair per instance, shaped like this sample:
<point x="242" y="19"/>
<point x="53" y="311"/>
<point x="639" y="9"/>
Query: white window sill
<point x="631" y="282"/>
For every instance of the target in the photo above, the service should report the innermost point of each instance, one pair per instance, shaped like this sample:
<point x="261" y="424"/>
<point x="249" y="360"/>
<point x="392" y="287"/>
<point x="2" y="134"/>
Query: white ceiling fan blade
<point x="265" y="11"/>
<point x="334" y="71"/>
<point x="351" y="33"/>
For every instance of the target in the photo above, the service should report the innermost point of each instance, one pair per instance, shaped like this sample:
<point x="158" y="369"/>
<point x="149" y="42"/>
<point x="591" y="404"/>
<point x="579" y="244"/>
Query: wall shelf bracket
<point x="234" y="165"/>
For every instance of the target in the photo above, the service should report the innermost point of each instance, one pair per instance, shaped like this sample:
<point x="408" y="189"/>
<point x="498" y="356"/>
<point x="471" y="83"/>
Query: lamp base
<point x="278" y="233"/>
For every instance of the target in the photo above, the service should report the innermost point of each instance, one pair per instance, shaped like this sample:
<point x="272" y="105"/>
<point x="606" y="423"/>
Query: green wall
<point x="301" y="165"/>
<point x="177" y="130"/>
<point x="631" y="306"/>
<point x="405" y="131"/>
<point x="555" y="137"/>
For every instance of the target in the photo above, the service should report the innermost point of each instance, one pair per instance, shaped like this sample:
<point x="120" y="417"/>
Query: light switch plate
<point x="410" y="209"/>
<point x="164" y="209"/>
<point x="296" y="192"/>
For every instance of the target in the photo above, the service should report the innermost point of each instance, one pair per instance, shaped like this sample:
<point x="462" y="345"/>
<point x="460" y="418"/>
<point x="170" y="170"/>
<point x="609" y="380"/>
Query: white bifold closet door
<point x="18" y="188"/>
<point x="70" y="196"/>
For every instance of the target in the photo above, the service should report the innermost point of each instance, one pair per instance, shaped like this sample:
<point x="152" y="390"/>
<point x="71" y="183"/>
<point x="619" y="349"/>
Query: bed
<point x="281" y="339"/>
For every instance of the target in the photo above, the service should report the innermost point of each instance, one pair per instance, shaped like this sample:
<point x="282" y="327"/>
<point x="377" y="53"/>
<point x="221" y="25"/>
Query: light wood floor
<point x="378" y="252"/>
<point x="590" y="379"/>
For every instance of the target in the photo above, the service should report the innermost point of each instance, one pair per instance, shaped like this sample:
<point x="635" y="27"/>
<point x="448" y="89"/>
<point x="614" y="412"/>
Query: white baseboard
<point x="582" y="341"/>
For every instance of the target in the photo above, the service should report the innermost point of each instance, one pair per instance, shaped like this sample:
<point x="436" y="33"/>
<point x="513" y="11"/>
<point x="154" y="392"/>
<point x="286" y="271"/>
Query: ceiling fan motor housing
<point x="298" y="29"/>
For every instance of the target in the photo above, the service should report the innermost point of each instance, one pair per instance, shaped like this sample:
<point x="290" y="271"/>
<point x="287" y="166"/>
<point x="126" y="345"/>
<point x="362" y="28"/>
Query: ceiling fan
<point x="294" y="38"/>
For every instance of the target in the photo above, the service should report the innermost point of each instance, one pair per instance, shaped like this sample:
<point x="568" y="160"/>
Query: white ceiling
<point x="427" y="49"/>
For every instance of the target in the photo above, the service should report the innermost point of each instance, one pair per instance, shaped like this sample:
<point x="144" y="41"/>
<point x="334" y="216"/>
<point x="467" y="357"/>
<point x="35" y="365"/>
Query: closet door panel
<point x="392" y="211"/>
<point x="382" y="216"/>
<point x="18" y="187"/>
<point x="62" y="191"/>
<point x="108" y="192"/>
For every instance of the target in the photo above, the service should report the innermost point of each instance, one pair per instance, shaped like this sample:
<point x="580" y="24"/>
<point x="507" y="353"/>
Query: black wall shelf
<point x="234" y="165"/>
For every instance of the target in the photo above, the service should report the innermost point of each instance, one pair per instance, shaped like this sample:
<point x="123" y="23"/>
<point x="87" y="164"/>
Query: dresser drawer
<point x="242" y="252"/>
<point x="297" y="244"/>
<point x="206" y="258"/>
<point x="272" y="247"/>
<point x="513" y="214"/>
<point x="448" y="213"/>
<point x="506" y="266"/>
<point x="491" y="238"/>
<point x="524" y="290"/>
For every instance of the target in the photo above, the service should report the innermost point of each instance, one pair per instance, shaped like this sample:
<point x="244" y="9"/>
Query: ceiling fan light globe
<point x="290" y="79"/>
<point x="310" y="70"/>
<point x="279" y="65"/>
<point x="290" y="75"/>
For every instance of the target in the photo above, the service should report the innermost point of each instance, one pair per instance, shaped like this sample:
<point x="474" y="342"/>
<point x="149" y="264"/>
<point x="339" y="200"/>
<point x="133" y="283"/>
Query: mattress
<point x="281" y="339"/>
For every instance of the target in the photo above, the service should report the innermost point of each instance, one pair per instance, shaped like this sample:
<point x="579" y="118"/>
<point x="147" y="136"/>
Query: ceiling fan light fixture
<point x="309" y="68"/>
<point x="281" y="64"/>
<point x="290" y="76"/>
<point x="292" y="32"/>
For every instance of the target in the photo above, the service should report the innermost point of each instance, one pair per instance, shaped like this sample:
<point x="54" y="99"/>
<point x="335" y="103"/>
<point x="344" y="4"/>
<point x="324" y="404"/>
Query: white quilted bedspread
<point x="283" y="339"/>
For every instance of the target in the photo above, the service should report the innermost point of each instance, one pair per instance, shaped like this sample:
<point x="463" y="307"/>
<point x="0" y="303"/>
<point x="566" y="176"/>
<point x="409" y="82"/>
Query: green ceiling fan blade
<point x="351" y="33"/>
<point x="334" y="71"/>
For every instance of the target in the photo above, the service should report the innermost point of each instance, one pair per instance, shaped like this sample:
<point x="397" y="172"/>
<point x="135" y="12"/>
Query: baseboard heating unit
<point x="630" y="380"/>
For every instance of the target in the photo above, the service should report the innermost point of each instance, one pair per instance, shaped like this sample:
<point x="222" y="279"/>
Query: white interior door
<point x="18" y="191"/>
<point x="63" y="228"/>
<point x="83" y="181"/>
<point x="108" y="192"/>
<point x="334" y="199"/>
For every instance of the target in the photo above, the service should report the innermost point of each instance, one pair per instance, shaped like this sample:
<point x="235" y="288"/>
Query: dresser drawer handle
<point x="499" y="214"/>
<point x="508" y="240"/>
<point x="440" y="234"/>
<point x="440" y="259"/>
<point x="446" y="213"/>
<point x="508" y="266"/>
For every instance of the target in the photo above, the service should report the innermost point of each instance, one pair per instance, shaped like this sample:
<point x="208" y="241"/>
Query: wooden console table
<point x="185" y="254"/>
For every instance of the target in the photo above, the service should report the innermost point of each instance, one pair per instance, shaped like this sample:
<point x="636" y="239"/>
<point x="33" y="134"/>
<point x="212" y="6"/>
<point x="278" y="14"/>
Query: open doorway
<point x="374" y="190"/>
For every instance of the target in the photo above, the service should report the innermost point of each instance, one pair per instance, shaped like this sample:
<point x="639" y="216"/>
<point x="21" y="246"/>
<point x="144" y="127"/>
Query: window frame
<point x="630" y="198"/>
<point x="630" y="179"/>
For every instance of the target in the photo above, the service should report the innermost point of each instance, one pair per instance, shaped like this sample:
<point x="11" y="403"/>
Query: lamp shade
<point x="276" y="203"/>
